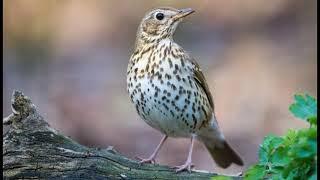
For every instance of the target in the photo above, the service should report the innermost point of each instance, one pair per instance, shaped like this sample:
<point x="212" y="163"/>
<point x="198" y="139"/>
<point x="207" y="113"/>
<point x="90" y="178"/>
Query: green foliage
<point x="305" y="108"/>
<point x="294" y="155"/>
<point x="255" y="172"/>
<point x="221" y="178"/>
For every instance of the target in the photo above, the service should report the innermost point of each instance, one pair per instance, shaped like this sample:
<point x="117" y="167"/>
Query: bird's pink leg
<point x="151" y="159"/>
<point x="188" y="164"/>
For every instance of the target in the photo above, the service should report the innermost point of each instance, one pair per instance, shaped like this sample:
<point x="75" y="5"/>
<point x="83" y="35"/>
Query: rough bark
<point x="33" y="150"/>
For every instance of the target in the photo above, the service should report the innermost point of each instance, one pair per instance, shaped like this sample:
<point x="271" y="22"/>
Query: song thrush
<point x="169" y="90"/>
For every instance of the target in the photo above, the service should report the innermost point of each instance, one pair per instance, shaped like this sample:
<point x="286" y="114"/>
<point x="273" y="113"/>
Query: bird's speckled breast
<point x="166" y="96"/>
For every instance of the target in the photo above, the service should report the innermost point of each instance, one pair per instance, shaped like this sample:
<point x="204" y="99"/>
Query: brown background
<point x="70" y="57"/>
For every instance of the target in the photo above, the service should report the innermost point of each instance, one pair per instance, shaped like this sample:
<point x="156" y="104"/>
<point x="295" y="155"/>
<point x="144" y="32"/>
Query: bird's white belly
<point x="164" y="112"/>
<point x="163" y="115"/>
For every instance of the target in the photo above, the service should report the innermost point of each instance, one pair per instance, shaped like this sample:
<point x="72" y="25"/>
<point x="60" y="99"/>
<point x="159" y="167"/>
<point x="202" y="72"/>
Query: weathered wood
<point x="33" y="150"/>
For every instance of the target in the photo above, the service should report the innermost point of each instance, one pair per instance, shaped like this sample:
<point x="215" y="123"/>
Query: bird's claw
<point x="186" y="166"/>
<point x="148" y="160"/>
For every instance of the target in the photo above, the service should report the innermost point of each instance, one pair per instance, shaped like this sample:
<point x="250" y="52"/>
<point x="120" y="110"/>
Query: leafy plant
<point x="294" y="155"/>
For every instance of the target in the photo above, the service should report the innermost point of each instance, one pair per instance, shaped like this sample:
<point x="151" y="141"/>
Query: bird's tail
<point x="219" y="149"/>
<point x="224" y="156"/>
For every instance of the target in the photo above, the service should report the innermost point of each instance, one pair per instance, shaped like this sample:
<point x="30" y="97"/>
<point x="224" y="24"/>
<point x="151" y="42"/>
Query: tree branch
<point x="33" y="150"/>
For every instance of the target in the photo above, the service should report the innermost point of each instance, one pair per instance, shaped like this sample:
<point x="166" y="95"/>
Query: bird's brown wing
<point x="201" y="81"/>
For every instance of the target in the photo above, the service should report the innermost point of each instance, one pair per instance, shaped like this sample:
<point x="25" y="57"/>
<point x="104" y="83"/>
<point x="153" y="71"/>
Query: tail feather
<point x="224" y="155"/>
<point x="219" y="149"/>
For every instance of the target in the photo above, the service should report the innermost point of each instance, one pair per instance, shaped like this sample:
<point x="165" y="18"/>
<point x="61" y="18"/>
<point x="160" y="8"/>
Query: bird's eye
<point x="160" y="16"/>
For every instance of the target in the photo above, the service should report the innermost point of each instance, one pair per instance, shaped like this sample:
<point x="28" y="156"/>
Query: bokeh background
<point x="70" y="57"/>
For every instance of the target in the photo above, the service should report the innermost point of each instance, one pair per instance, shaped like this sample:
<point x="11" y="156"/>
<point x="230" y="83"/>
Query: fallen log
<point x="34" y="150"/>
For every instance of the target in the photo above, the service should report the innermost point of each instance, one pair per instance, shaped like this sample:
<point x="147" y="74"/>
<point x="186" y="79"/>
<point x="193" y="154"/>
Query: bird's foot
<point x="186" y="166"/>
<point x="151" y="160"/>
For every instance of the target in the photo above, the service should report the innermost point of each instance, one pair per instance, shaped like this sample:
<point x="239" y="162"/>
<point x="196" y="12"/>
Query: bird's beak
<point x="183" y="13"/>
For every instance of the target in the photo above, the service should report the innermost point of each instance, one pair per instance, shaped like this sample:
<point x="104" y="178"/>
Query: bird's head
<point x="161" y="23"/>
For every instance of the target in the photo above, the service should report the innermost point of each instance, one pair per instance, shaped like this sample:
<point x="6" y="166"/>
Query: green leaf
<point x="255" y="172"/>
<point x="304" y="148"/>
<point x="290" y="138"/>
<point x="276" y="172"/>
<point x="221" y="178"/>
<point x="304" y="107"/>
<point x="263" y="155"/>
<point x="293" y="174"/>
<point x="280" y="157"/>
<point x="277" y="177"/>
<point x="305" y="144"/>
<point x="270" y="143"/>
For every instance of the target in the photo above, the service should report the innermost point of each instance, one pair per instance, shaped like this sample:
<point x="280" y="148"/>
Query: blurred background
<point x="70" y="57"/>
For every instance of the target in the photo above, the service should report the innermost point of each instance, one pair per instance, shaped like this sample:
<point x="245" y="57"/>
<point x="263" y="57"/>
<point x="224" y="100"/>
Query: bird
<point x="169" y="91"/>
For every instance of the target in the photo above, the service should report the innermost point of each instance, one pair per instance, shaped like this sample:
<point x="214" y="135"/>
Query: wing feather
<point x="201" y="81"/>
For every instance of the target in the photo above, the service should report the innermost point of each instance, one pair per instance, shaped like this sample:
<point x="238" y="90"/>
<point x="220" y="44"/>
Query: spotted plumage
<point x="169" y="90"/>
